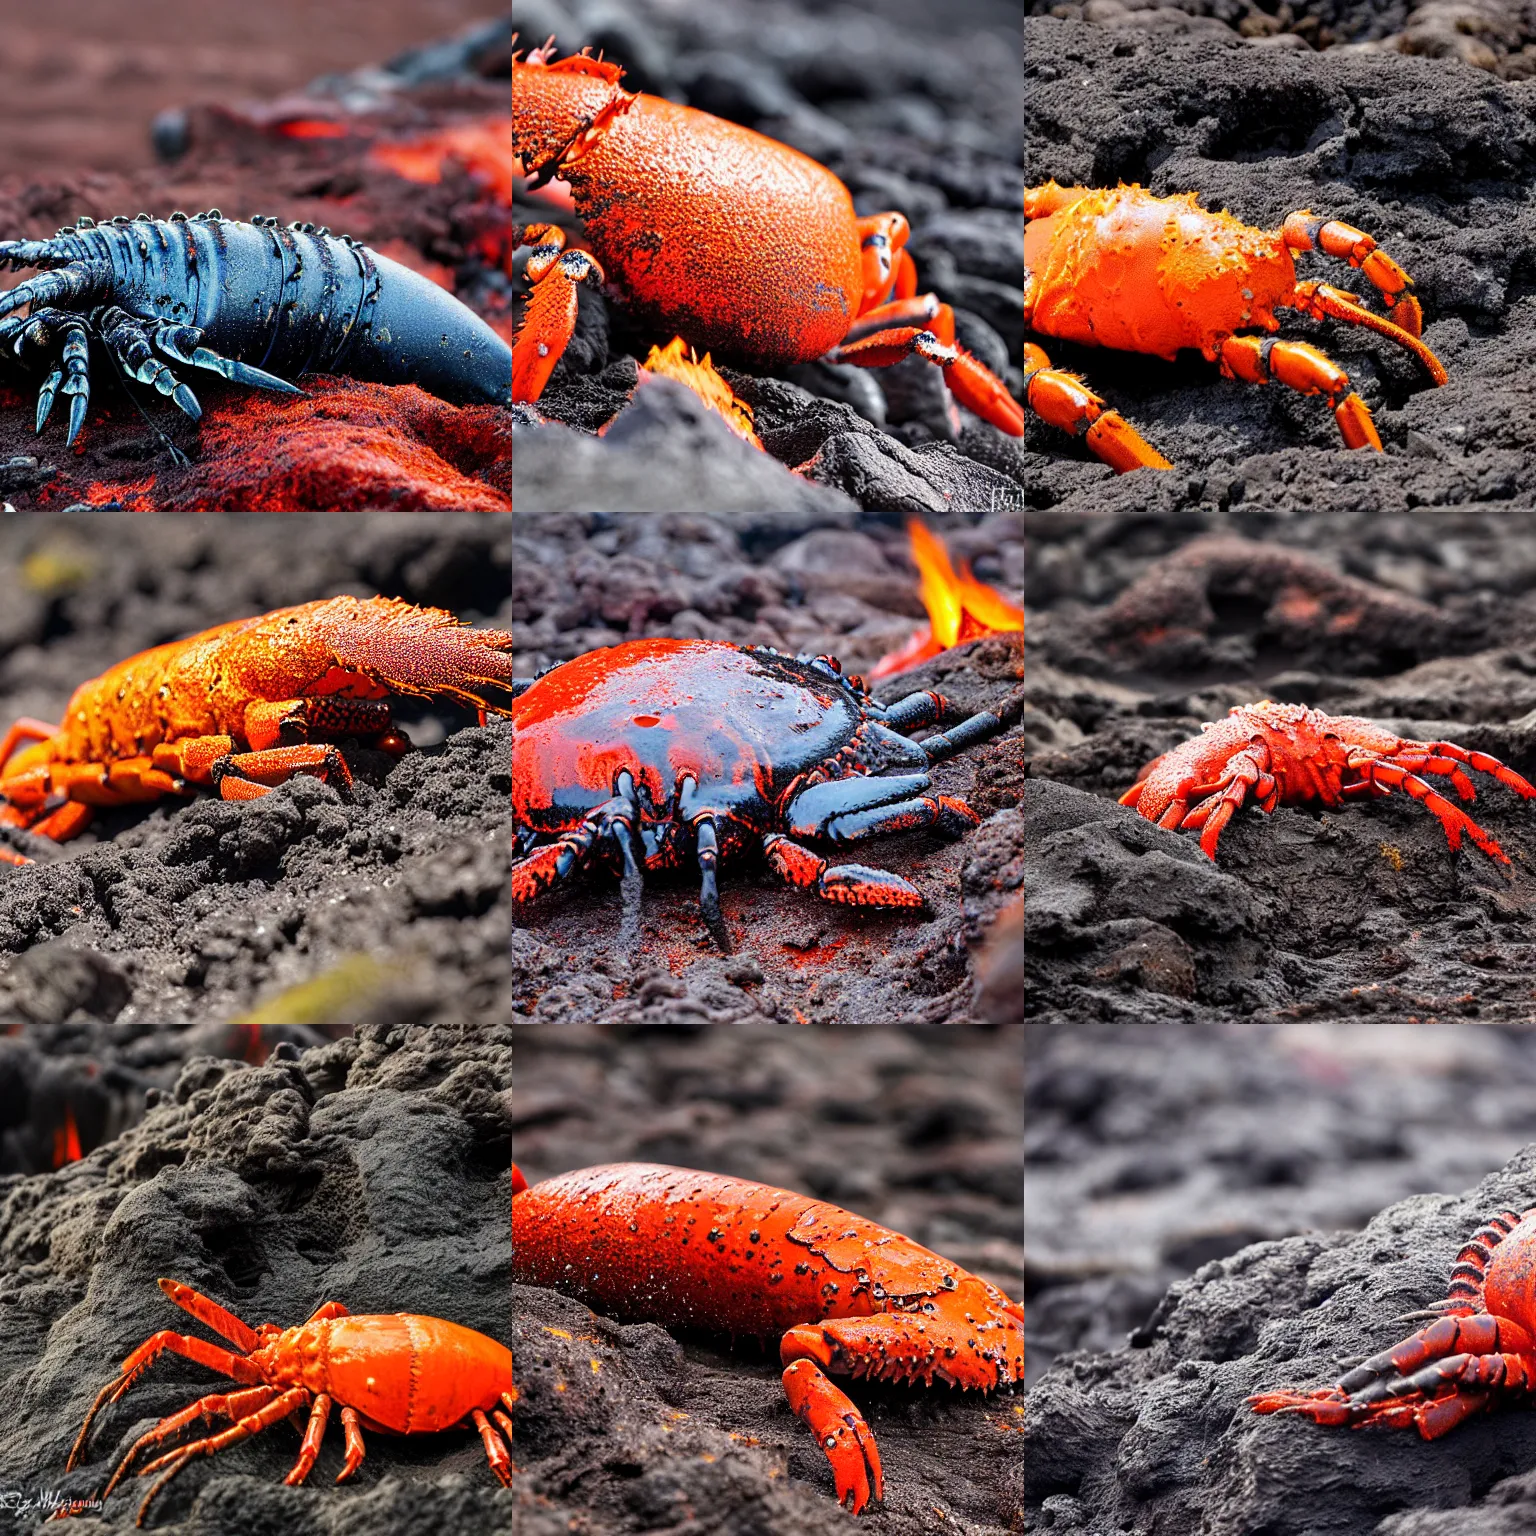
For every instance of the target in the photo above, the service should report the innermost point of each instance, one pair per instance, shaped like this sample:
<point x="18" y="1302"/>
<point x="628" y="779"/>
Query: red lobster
<point x="680" y="1247"/>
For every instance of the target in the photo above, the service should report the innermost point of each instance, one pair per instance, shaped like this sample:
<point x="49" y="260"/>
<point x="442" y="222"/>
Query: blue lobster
<point x="238" y="299"/>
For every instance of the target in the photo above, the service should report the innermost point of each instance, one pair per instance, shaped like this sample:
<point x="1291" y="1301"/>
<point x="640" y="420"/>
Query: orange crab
<point x="245" y="706"/>
<point x="743" y="246"/>
<point x="395" y="1371"/>
<point x="1126" y="269"/>
<point x="1287" y="754"/>
<point x="843" y="1294"/>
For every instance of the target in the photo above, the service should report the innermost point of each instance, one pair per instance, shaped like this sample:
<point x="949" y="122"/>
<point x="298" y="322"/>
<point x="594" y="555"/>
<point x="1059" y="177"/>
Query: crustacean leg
<point x="895" y="322"/>
<point x="1062" y="400"/>
<point x="1260" y="359"/>
<point x="549" y="321"/>
<point x="614" y="820"/>
<point x="853" y="885"/>
<point x="1302" y="232"/>
<point x="1322" y="302"/>
<point x="1394" y="772"/>
<point x="1244" y="773"/>
<point x="1439" y="1376"/>
<point x="840" y="1430"/>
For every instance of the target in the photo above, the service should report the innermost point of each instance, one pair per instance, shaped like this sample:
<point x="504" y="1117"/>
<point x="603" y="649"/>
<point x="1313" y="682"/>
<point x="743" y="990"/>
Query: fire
<point x="679" y="361"/>
<point x="66" y="1141"/>
<point x="960" y="608"/>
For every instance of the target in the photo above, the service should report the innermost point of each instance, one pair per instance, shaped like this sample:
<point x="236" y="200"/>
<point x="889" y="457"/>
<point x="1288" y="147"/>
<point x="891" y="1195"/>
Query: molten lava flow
<point x="960" y="608"/>
<point x="678" y="361"/>
<point x="66" y="1141"/>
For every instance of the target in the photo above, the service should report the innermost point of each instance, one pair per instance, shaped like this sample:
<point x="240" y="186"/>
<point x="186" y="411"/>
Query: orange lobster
<point x="676" y="1246"/>
<point x="245" y="706"/>
<point x="1287" y="754"/>
<point x="743" y="245"/>
<point x="1141" y="273"/>
<point x="394" y="1371"/>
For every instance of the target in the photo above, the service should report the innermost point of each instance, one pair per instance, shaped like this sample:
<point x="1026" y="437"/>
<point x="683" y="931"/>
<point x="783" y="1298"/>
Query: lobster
<point x="244" y="706"/>
<point x="224" y="295"/>
<point x="395" y="1372"/>
<point x="742" y="245"/>
<point x="684" y="1248"/>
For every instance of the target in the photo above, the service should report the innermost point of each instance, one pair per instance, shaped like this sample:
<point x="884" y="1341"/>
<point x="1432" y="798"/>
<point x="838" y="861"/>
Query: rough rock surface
<point x="628" y="1428"/>
<point x="372" y="1170"/>
<point x="816" y="584"/>
<point x="1156" y="1437"/>
<point x="393" y="906"/>
<point x="930" y="131"/>
<point x="1390" y="586"/>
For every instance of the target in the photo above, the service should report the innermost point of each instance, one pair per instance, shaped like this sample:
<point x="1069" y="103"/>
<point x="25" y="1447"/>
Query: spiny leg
<point x="556" y="861"/>
<point x="1481" y="762"/>
<point x="1242" y="774"/>
<point x="1258" y="359"/>
<point x="549" y="321"/>
<point x="1062" y="400"/>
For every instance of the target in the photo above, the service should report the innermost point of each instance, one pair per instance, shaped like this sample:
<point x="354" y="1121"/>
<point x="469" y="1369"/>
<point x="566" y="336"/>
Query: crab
<point x="1482" y="1348"/>
<point x="1127" y="269"/>
<point x="739" y="244"/>
<point x="1288" y="754"/>
<point x="702" y="748"/>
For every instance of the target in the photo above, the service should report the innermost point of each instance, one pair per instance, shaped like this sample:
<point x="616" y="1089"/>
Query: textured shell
<point x="1128" y="270"/>
<point x="677" y="1246"/>
<point x="365" y="647"/>
<point x="1509" y="1287"/>
<point x="292" y="299"/>
<point x="739" y="244"/>
<point x="743" y="722"/>
<point x="402" y="1372"/>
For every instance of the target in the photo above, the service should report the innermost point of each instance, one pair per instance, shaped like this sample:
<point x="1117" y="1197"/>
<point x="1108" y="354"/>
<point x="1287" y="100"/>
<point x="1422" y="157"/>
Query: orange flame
<point x="66" y="1141"/>
<point x="960" y="608"/>
<point x="679" y="361"/>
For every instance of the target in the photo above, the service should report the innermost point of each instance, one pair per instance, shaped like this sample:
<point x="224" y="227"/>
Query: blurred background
<point x="82" y="80"/>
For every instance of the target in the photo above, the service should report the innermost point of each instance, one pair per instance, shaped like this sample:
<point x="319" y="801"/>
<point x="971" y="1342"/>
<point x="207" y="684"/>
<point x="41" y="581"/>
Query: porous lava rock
<point x="1156" y="1435"/>
<point x="373" y="1170"/>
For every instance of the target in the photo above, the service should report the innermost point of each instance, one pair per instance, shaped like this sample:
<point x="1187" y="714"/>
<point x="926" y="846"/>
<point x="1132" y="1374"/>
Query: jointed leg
<point x="495" y="1447"/>
<point x="1258" y="359"/>
<point x="1454" y="820"/>
<point x="840" y="1429"/>
<point x="851" y="885"/>
<point x="1302" y="232"/>
<point x="212" y="1409"/>
<point x="849" y="810"/>
<point x="1320" y="301"/>
<point x="1063" y="400"/>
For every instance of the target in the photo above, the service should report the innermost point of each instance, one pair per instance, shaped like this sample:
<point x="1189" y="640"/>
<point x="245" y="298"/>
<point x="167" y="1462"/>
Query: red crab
<point x="1482" y="1348"/>
<point x="737" y="243"/>
<point x="839" y="1293"/>
<point x="1141" y="273"/>
<point x="1287" y="754"/>
<point x="700" y="748"/>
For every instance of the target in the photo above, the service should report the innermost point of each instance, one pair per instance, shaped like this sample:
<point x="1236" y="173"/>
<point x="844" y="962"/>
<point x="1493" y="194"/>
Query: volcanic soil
<point x="821" y="584"/>
<point x="915" y="112"/>
<point x="372" y="1170"/>
<point x="629" y="1428"/>
<point x="1274" y="563"/>
<point x="297" y="908"/>
<point x="1212" y="1211"/>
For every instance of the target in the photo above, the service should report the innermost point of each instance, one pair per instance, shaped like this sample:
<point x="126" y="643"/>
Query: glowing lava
<point x="679" y="361"/>
<point x="66" y="1141"/>
<point x="960" y="608"/>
